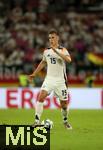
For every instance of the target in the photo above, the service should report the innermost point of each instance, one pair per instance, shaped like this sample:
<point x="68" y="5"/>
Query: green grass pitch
<point x="87" y="133"/>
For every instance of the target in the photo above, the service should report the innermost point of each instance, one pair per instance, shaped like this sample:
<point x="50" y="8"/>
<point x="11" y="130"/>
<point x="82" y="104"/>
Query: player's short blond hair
<point x="53" y="31"/>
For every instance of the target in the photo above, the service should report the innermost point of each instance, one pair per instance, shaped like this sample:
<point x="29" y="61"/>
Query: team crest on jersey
<point x="48" y="55"/>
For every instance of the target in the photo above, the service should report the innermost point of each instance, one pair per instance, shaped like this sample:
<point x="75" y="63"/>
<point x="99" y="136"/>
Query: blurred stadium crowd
<point x="24" y="25"/>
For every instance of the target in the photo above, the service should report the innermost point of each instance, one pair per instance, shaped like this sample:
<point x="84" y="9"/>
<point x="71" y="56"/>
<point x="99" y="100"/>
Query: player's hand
<point x="30" y="77"/>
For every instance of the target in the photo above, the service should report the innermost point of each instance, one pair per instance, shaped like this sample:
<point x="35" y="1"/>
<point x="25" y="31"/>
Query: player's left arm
<point x="63" y="54"/>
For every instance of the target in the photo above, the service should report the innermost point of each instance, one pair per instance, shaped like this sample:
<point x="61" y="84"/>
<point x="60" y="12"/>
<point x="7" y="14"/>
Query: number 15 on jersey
<point x="53" y="60"/>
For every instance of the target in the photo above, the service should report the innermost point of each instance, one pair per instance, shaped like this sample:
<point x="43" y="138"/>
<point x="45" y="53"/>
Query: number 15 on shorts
<point x="64" y="94"/>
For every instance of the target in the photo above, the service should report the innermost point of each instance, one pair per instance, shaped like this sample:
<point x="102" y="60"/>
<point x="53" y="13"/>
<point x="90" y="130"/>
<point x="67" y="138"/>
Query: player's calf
<point x="64" y="112"/>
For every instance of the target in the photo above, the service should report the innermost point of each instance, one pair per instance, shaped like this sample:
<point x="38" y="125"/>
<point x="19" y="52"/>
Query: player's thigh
<point x="42" y="95"/>
<point x="62" y="92"/>
<point x="46" y="89"/>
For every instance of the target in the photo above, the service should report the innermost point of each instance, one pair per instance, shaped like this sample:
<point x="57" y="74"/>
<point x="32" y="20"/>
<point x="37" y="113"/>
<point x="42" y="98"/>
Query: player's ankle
<point x="65" y="120"/>
<point x="37" y="119"/>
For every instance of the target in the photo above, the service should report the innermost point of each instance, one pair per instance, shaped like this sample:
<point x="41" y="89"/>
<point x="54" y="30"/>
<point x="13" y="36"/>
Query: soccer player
<point x="54" y="58"/>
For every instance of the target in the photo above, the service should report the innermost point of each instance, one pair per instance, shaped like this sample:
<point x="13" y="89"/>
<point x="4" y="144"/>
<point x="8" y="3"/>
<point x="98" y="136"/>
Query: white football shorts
<point x="59" y="88"/>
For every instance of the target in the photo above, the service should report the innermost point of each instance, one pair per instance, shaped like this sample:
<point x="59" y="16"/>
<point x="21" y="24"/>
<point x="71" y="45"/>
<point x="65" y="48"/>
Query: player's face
<point x="53" y="39"/>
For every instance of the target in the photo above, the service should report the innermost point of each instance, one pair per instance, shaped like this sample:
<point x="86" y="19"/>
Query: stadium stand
<point x="24" y="25"/>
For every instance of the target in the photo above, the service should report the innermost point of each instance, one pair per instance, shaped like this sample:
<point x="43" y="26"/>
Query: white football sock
<point x="65" y="114"/>
<point x="38" y="111"/>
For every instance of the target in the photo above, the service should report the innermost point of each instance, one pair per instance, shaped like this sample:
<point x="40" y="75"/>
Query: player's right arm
<point x="41" y="65"/>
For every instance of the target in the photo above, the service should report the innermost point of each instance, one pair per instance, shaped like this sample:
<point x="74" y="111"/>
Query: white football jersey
<point x="55" y="64"/>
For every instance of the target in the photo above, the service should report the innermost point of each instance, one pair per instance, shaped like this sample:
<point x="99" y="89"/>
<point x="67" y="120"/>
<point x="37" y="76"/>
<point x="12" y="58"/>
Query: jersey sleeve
<point x="44" y="57"/>
<point x="65" y="52"/>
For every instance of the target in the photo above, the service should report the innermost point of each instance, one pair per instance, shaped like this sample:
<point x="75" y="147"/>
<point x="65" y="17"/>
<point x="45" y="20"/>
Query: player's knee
<point x="40" y="99"/>
<point x="64" y="104"/>
<point x="64" y="107"/>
